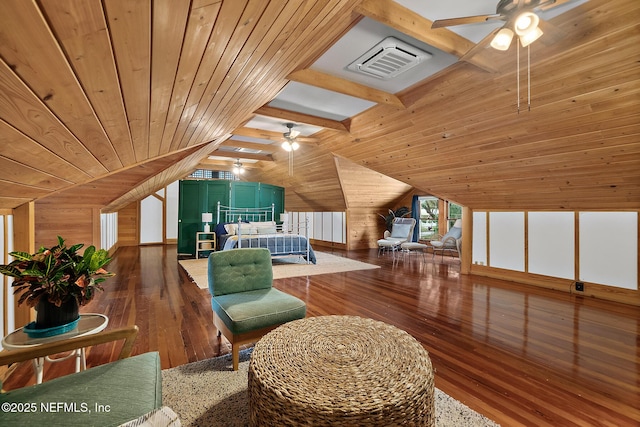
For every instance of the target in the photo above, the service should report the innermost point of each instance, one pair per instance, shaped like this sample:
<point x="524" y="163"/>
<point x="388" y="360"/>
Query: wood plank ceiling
<point x="114" y="99"/>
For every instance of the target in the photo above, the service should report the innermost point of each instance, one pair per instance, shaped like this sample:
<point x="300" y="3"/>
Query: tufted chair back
<point x="239" y="270"/>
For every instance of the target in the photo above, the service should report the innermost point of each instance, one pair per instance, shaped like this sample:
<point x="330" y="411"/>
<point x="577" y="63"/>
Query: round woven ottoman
<point x="340" y="371"/>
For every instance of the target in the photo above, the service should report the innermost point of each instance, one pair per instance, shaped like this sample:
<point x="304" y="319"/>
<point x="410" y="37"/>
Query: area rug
<point x="210" y="393"/>
<point x="284" y="267"/>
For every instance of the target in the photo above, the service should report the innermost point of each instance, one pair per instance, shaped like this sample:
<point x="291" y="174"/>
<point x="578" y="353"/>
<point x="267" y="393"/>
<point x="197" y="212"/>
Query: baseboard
<point x="594" y="290"/>
<point x="325" y="244"/>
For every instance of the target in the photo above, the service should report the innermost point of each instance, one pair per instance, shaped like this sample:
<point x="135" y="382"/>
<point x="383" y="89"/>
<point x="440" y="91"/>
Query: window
<point x="454" y="213"/>
<point x="209" y="174"/>
<point x="430" y="214"/>
<point x="428" y="217"/>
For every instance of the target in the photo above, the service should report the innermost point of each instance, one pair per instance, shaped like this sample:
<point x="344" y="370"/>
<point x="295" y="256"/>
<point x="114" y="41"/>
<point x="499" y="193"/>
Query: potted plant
<point x="392" y="215"/>
<point x="57" y="280"/>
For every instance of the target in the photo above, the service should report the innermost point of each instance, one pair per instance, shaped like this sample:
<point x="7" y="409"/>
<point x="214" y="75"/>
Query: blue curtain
<point x="415" y="213"/>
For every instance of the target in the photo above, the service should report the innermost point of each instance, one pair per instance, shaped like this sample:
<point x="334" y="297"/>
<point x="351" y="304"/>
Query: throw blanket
<point x="278" y="244"/>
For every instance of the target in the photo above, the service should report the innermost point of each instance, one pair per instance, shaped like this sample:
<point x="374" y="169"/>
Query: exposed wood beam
<point x="408" y="22"/>
<point x="271" y="135"/>
<point x="301" y="118"/>
<point x="236" y="155"/>
<point x="346" y="87"/>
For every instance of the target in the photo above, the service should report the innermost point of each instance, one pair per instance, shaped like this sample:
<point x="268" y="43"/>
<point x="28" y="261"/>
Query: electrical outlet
<point x="579" y="286"/>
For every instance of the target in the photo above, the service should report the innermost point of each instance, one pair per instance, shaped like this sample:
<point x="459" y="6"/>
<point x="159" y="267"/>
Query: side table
<point x="89" y="323"/>
<point x="205" y="242"/>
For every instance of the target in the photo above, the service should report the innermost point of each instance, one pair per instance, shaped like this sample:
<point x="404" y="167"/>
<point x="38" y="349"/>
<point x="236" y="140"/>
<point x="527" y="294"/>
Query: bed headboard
<point x="231" y="214"/>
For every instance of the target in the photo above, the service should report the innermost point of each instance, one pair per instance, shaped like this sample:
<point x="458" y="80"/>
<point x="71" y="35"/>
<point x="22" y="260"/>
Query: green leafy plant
<point x="398" y="213"/>
<point x="58" y="274"/>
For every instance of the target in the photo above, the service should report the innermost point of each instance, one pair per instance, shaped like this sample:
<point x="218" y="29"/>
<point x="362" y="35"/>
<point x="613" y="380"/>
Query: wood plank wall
<point x="328" y="183"/>
<point x="75" y="224"/>
<point x="129" y="225"/>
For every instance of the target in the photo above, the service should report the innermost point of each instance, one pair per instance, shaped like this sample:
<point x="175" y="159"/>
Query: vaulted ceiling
<point x="105" y="102"/>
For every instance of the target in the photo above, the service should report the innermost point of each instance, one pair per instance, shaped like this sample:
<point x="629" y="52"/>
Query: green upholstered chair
<point x="245" y="305"/>
<point x="105" y="395"/>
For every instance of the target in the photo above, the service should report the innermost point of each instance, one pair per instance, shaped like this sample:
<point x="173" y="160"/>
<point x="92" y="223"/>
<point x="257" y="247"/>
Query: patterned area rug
<point x="284" y="267"/>
<point x="210" y="393"/>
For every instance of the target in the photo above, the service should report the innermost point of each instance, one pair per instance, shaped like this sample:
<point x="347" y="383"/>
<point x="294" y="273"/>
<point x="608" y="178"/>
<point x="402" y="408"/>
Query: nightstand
<point x="205" y="243"/>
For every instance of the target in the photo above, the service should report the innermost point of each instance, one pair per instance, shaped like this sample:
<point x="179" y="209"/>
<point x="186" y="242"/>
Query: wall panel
<point x="609" y="248"/>
<point x="551" y="244"/>
<point x="7" y="300"/>
<point x="506" y="240"/>
<point x="152" y="224"/>
<point x="479" y="242"/>
<point x="605" y="258"/>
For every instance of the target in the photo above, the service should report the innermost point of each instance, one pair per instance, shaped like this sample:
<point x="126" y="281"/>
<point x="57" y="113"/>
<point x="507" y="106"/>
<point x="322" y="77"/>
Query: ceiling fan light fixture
<point x="525" y="23"/>
<point x="286" y="145"/>
<point x="295" y="145"/>
<point x="293" y="134"/>
<point x="502" y="40"/>
<point x="530" y="37"/>
<point x="238" y="169"/>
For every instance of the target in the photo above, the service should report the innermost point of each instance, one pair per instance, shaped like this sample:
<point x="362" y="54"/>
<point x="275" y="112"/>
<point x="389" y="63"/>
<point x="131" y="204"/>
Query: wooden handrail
<point x="128" y="333"/>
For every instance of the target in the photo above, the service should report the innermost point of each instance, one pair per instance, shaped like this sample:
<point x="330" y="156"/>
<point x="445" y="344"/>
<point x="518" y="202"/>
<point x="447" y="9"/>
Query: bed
<point x="257" y="228"/>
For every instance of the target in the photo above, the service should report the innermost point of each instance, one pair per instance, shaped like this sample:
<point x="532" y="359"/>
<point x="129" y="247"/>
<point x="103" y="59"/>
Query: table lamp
<point x="207" y="217"/>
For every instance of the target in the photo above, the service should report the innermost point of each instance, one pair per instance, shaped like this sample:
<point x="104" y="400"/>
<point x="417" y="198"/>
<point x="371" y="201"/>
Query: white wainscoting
<point x="108" y="230"/>
<point x="326" y="226"/>
<point x="607" y="252"/>
<point x="609" y="248"/>
<point x="7" y="324"/>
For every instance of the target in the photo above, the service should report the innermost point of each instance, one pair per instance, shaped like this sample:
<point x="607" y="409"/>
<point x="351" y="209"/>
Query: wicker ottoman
<point x="340" y="371"/>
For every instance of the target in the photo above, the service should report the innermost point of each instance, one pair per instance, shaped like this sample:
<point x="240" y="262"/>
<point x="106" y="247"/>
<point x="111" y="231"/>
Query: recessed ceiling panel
<point x="365" y="35"/>
<point x="319" y="102"/>
<point x="250" y="139"/>
<point x="279" y="125"/>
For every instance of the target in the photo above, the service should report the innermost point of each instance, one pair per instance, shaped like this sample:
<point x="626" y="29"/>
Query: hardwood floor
<point x="519" y="355"/>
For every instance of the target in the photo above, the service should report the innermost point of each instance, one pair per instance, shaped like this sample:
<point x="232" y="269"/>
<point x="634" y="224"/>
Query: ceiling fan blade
<point x="482" y="44"/>
<point x="551" y="4"/>
<point x="552" y="34"/>
<point x="461" y="21"/>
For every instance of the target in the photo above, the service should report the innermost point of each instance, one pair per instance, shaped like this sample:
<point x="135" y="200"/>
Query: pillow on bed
<point x="267" y="230"/>
<point x="263" y="223"/>
<point x="247" y="229"/>
<point x="265" y="227"/>
<point x="231" y="228"/>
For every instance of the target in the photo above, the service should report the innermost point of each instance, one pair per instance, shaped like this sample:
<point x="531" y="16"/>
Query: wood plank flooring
<point x="518" y="354"/>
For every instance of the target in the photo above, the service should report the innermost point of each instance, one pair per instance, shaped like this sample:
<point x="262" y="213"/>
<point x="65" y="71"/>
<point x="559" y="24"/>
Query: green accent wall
<point x="198" y="196"/>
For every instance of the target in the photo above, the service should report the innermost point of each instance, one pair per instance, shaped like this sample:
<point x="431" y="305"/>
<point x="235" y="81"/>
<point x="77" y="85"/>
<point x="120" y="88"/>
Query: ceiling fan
<point x="290" y="143"/>
<point x="238" y="169"/>
<point x="520" y="18"/>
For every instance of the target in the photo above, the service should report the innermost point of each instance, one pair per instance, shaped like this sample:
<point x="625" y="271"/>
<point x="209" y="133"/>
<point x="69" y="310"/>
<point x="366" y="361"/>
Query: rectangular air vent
<point x="388" y="58"/>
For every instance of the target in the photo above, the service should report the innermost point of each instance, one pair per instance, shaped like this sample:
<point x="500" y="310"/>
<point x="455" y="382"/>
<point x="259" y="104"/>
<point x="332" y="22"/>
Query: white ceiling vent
<point x="388" y="58"/>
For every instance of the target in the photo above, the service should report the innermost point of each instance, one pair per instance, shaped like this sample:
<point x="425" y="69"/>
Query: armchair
<point x="450" y="241"/>
<point x="245" y="304"/>
<point x="401" y="231"/>
<point x="131" y="387"/>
